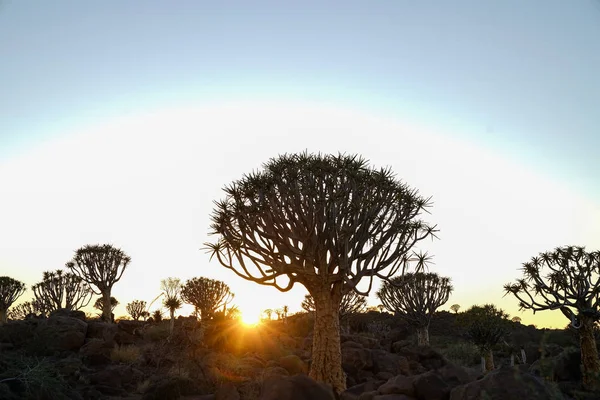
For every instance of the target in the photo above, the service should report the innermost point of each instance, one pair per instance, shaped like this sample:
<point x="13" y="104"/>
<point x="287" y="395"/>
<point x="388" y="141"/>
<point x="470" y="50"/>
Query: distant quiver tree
<point x="566" y="279"/>
<point x="323" y="221"/>
<point x="61" y="290"/>
<point x="206" y="295"/>
<point x="21" y="311"/>
<point x="415" y="297"/>
<point x="10" y="290"/>
<point x="101" y="266"/>
<point x="137" y="309"/>
<point x="171" y="287"/>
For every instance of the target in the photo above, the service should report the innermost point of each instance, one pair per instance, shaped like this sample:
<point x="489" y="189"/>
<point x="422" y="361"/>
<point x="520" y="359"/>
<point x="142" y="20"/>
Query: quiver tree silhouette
<point x="101" y="266"/>
<point x="486" y="326"/>
<point x="137" y="309"/>
<point x="171" y="288"/>
<point x="567" y="279"/>
<point x="61" y="290"/>
<point x="455" y="308"/>
<point x="99" y="305"/>
<point x="415" y="297"/>
<point x="323" y="221"/>
<point x="352" y="303"/>
<point x="21" y="311"/>
<point x="10" y="290"/>
<point x="206" y="295"/>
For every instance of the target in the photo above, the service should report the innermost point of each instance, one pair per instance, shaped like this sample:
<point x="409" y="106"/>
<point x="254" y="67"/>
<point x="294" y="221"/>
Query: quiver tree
<point x="10" y="290"/>
<point x="99" y="305"/>
<point x="21" y="311"/>
<point x="352" y="303"/>
<point x="325" y="222"/>
<point x="137" y="309"/>
<point x="61" y="290"/>
<point x="486" y="326"/>
<point x="206" y="295"/>
<point x="171" y="288"/>
<point x="455" y="308"/>
<point x="567" y="279"/>
<point x="101" y="266"/>
<point x="415" y="297"/>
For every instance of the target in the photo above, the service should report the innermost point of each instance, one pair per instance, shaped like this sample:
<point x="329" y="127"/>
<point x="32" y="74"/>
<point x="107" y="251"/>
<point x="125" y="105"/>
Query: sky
<point x="121" y="122"/>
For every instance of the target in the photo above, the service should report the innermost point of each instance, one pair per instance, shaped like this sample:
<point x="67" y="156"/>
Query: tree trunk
<point x="106" y="306"/>
<point x="172" y="322"/>
<point x="483" y="371"/>
<point x="489" y="360"/>
<point x="523" y="356"/>
<point x="423" y="335"/>
<point x="589" y="354"/>
<point x="512" y="359"/>
<point x="3" y="316"/>
<point x="326" y="363"/>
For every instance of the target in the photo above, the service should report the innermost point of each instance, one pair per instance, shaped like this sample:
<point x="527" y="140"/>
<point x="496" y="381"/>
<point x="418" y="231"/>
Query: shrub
<point x="156" y="332"/>
<point x="462" y="353"/>
<point x="125" y="354"/>
<point x="31" y="378"/>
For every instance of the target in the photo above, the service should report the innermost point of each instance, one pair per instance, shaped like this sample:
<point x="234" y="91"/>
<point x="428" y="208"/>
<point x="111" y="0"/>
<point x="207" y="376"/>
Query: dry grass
<point x="125" y="354"/>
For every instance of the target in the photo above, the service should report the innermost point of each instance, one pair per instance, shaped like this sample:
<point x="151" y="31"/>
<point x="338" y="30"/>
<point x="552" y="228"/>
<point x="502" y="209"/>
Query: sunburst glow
<point x="250" y="319"/>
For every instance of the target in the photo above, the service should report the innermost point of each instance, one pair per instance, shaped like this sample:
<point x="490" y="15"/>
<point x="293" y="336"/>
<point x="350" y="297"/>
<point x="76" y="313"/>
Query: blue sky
<point x="517" y="79"/>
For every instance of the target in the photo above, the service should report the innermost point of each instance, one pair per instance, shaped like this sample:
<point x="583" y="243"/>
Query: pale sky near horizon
<point x="121" y="123"/>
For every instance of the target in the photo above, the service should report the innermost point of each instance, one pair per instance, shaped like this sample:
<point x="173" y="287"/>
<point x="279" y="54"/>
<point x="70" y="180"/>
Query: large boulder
<point x="506" y="383"/>
<point x="431" y="386"/>
<point x="560" y="368"/>
<point x="62" y="333"/>
<point x="293" y="364"/>
<point x="354" y="392"/>
<point x="102" y="330"/>
<point x="398" y="385"/>
<point x="298" y="387"/>
<point x="355" y="357"/>
<point x="394" y="364"/>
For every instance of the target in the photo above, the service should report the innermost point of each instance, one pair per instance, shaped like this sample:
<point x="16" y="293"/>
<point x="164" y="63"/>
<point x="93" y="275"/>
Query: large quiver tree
<point x="61" y="290"/>
<point x="101" y="266"/>
<point x="10" y="290"/>
<point x="206" y="295"/>
<point x="567" y="279"/>
<point x="352" y="303"/>
<point x="415" y="297"/>
<point x="325" y="222"/>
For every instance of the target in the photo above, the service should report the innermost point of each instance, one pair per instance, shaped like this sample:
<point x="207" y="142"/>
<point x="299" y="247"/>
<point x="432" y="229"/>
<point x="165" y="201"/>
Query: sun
<point x="250" y="319"/>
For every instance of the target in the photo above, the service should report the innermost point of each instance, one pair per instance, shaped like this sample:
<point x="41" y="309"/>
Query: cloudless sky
<point x="107" y="95"/>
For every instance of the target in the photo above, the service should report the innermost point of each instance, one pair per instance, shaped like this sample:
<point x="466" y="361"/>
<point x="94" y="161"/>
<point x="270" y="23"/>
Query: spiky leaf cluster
<point x="98" y="304"/>
<point x="21" y="311"/>
<point x="137" y="309"/>
<point x="567" y="278"/>
<point x="10" y="290"/>
<point x="101" y="266"/>
<point x="415" y="296"/>
<point x="318" y="220"/>
<point x="352" y="303"/>
<point x="171" y="288"/>
<point x="485" y="325"/>
<point x="61" y="290"/>
<point x="206" y="295"/>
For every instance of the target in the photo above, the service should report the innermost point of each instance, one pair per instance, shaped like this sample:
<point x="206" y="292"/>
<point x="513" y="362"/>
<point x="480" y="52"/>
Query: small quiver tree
<point x="10" y="290"/>
<point x="137" y="309"/>
<point x="23" y="310"/>
<point x="415" y="297"/>
<point x="101" y="266"/>
<point x="567" y="279"/>
<point x="486" y="326"/>
<point x="171" y="288"/>
<point x="323" y="221"/>
<point x="206" y="295"/>
<point x="455" y="308"/>
<point x="61" y="290"/>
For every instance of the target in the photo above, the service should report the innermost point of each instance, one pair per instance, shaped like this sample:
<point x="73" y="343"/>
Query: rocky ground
<point x="66" y="356"/>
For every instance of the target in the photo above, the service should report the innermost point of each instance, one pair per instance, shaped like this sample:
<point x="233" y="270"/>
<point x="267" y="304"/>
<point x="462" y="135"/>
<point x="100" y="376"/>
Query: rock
<point x="398" y="385"/>
<point x="102" y="330"/>
<point x="227" y="392"/>
<point x="129" y="326"/>
<point x="124" y="338"/>
<point x="351" y="344"/>
<point x="399" y="345"/>
<point x="293" y="364"/>
<point x="392" y="397"/>
<point x="355" y="359"/>
<point x="60" y="333"/>
<point x="354" y="392"/>
<point x="170" y="388"/>
<point x="431" y="386"/>
<point x="298" y="387"/>
<point x="394" y="364"/>
<point x="368" y="395"/>
<point x="95" y="352"/>
<point x="63" y="312"/>
<point x="564" y="367"/>
<point x="506" y="383"/>
<point x="455" y="375"/>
